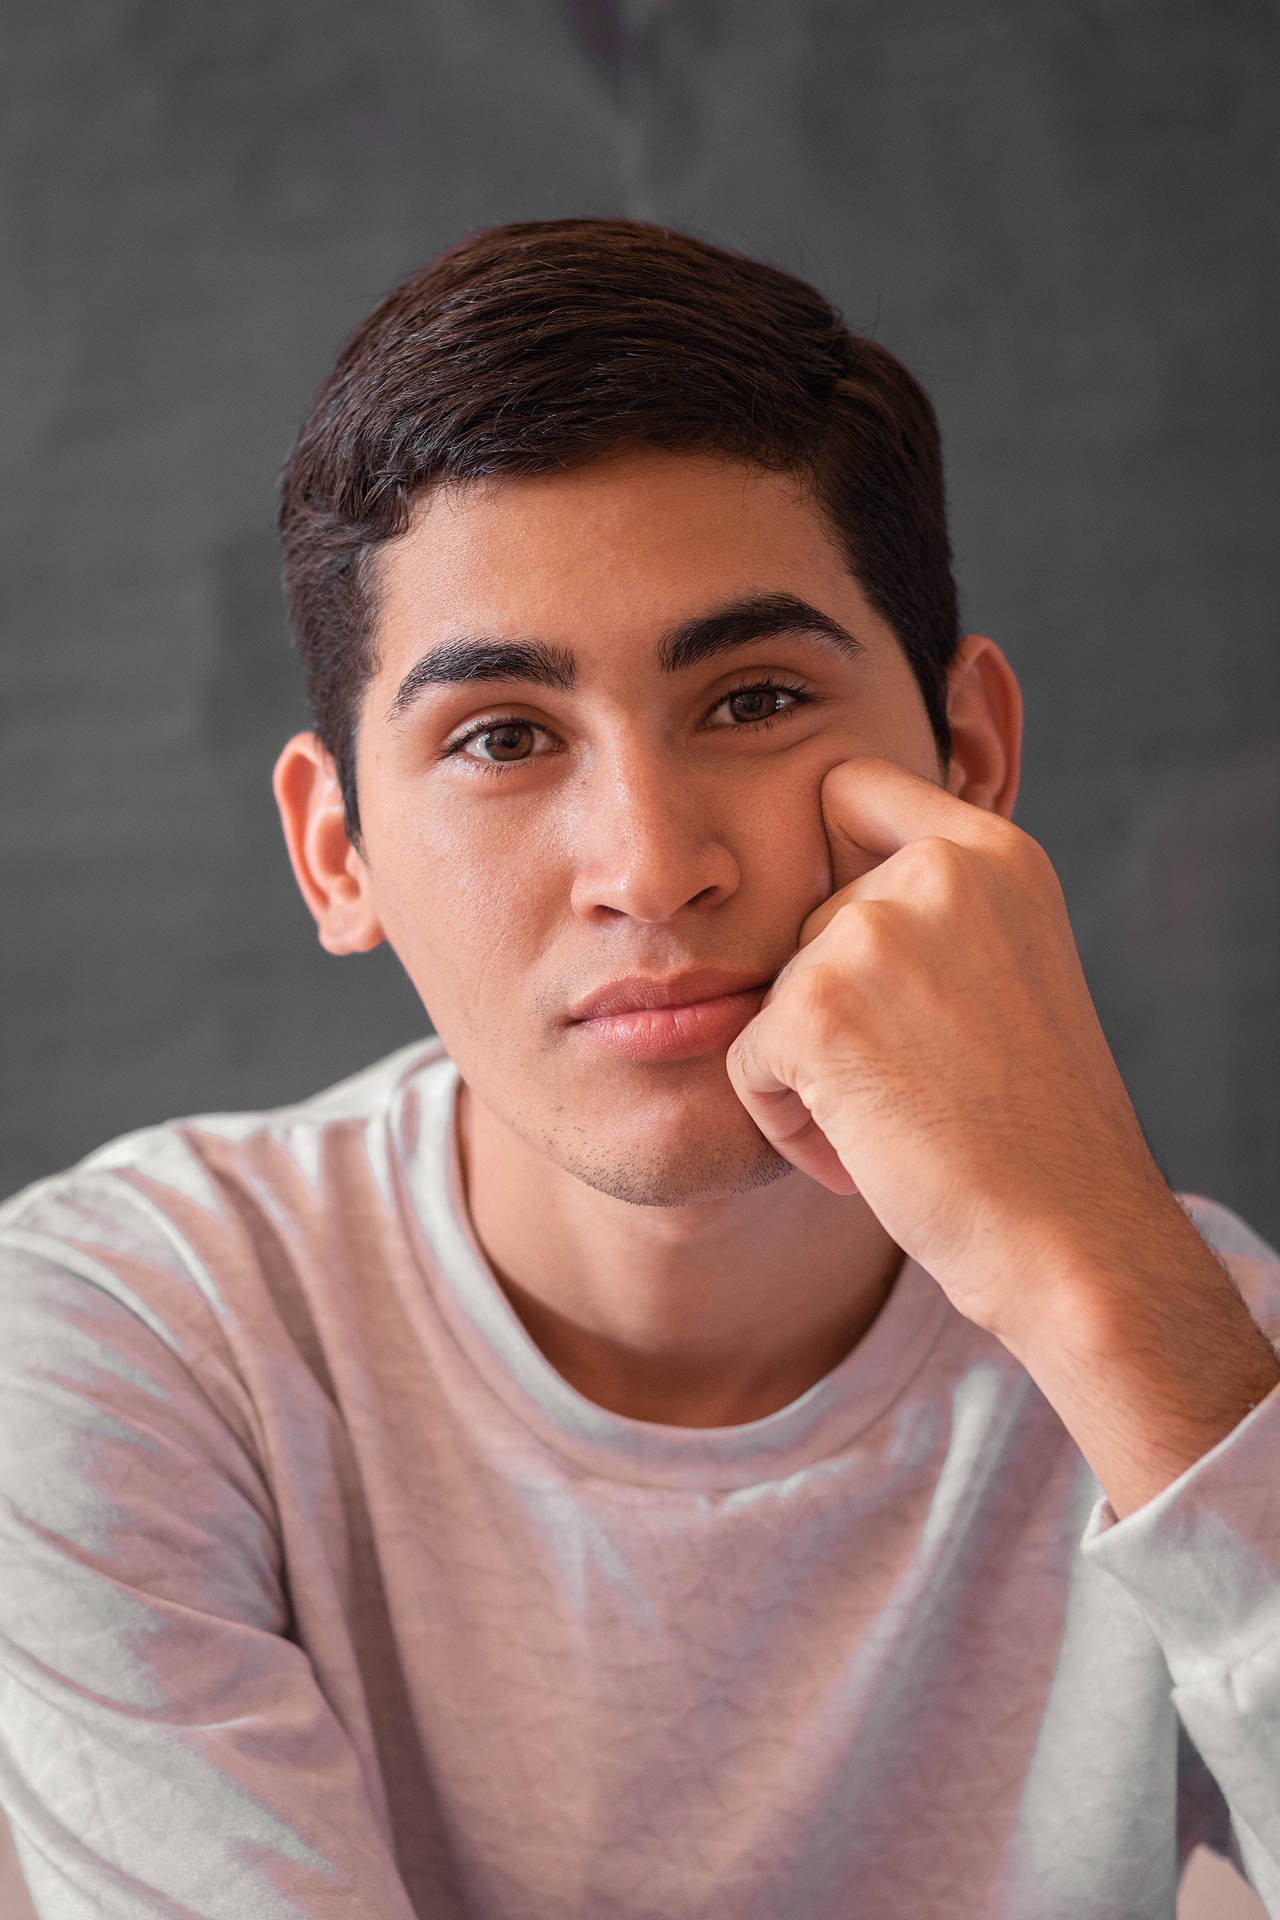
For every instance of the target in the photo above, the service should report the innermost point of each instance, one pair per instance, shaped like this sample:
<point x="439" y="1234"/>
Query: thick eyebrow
<point x="761" y="616"/>
<point x="756" y="617"/>
<point x="463" y="658"/>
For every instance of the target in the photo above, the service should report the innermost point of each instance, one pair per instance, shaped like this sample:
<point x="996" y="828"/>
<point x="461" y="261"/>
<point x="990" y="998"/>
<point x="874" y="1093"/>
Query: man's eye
<point x="761" y="702"/>
<point x="502" y="742"/>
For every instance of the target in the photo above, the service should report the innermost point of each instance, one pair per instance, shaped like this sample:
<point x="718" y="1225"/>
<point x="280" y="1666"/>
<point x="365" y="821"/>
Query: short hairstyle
<point x="542" y="345"/>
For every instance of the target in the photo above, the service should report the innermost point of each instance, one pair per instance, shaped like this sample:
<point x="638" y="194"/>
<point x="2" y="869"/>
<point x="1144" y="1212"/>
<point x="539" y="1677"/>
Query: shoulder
<point x="187" y="1223"/>
<point x="189" y="1152"/>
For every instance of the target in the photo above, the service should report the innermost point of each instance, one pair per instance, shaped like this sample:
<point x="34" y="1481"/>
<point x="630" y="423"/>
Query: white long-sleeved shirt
<point x="322" y="1594"/>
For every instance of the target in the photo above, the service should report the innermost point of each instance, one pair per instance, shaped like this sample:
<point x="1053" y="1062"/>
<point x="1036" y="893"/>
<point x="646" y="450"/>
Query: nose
<point x="650" y="843"/>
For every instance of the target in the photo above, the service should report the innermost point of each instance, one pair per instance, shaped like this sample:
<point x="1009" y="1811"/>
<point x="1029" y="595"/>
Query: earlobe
<point x="332" y="876"/>
<point x="984" y="710"/>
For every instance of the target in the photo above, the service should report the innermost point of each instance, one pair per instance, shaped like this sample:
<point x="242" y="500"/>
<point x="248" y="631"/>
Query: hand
<point x="933" y="1046"/>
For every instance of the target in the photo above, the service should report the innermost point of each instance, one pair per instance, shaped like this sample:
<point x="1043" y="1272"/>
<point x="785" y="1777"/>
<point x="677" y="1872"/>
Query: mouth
<point x="681" y="1017"/>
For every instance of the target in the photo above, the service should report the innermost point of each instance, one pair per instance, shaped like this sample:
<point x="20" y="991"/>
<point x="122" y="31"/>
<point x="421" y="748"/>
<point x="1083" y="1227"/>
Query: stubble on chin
<point x="694" y="1176"/>
<point x="702" y="1159"/>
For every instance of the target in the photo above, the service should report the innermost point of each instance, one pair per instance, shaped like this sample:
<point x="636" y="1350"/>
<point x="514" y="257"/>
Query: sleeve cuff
<point x="1202" y="1558"/>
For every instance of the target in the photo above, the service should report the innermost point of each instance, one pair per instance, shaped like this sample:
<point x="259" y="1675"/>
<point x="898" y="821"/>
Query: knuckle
<point x="867" y="930"/>
<point x="938" y="869"/>
<point x="1031" y="853"/>
<point x="1026" y="856"/>
<point x="824" y="1009"/>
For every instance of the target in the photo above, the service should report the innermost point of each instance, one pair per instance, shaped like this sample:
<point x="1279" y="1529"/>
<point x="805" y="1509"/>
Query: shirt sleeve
<point x="1202" y="1560"/>
<point x="165" y="1748"/>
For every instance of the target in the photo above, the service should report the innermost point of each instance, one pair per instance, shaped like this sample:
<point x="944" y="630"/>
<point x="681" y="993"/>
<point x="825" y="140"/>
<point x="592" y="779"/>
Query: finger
<point x="782" y="1117"/>
<point x="880" y="807"/>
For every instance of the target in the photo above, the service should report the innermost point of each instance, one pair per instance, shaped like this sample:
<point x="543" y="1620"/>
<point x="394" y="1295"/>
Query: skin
<point x="926" y="1074"/>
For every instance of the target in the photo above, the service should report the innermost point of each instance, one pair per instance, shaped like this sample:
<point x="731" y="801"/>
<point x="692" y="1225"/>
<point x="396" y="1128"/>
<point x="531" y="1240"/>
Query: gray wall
<point x="1062" y="216"/>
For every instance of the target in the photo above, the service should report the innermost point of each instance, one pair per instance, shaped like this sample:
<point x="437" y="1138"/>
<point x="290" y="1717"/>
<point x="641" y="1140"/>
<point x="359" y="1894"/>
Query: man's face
<point x="527" y="844"/>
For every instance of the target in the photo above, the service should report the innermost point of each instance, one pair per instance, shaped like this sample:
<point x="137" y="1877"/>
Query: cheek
<point x="465" y="907"/>
<point x="782" y="849"/>
<point x="896" y="725"/>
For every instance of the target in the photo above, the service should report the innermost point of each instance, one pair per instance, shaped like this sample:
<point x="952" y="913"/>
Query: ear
<point x="329" y="870"/>
<point x="984" y="709"/>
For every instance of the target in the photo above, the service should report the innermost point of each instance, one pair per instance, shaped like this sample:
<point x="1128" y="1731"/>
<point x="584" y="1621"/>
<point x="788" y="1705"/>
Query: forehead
<point x="605" y="556"/>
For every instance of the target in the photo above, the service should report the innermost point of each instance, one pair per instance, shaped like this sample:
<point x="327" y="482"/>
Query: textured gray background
<point x="1062" y="216"/>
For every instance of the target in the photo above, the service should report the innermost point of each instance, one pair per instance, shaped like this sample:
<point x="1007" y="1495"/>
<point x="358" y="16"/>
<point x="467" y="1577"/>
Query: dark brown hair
<point x="539" y="346"/>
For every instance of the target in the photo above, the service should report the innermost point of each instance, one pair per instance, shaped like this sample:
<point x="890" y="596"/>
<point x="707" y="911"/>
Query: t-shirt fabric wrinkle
<point x="323" y="1594"/>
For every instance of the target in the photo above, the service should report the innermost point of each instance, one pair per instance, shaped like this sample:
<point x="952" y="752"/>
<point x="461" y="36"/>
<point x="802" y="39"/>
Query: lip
<point x="639" y="991"/>
<point x="678" y="1017"/>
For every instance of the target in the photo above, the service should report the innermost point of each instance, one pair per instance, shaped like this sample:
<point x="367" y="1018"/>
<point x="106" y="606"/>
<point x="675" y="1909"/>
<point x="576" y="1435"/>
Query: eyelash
<point x="800" y="697"/>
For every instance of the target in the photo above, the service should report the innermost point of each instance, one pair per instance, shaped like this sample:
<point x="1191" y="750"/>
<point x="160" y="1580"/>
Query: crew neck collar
<point x="826" y="1419"/>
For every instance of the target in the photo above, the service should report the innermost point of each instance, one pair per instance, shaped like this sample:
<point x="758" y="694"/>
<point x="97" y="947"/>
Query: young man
<point x="737" y="1428"/>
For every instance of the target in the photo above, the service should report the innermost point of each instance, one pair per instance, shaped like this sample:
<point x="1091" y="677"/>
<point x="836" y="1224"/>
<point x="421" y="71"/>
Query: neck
<point x="695" y="1316"/>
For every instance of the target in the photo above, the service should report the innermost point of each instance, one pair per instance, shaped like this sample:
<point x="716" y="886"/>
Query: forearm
<point x="1149" y="1356"/>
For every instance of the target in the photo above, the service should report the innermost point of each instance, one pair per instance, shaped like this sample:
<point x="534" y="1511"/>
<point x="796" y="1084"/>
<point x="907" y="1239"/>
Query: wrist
<point x="1148" y="1363"/>
<point x="1091" y="1280"/>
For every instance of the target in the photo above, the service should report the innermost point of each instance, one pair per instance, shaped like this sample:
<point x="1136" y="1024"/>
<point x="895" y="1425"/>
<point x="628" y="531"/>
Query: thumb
<point x="872" y="808"/>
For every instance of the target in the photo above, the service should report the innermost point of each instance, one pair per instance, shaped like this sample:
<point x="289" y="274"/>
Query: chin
<point x="653" y="1166"/>
<point x="673" y="1136"/>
